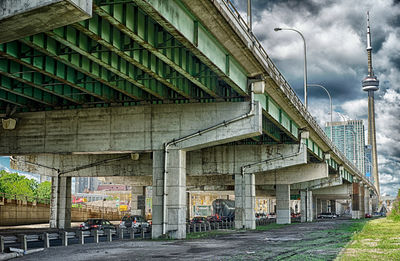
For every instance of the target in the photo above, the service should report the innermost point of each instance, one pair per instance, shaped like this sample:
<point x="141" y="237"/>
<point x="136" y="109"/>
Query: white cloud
<point x="335" y="32"/>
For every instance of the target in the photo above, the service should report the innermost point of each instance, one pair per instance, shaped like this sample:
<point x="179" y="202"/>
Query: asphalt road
<point x="321" y="240"/>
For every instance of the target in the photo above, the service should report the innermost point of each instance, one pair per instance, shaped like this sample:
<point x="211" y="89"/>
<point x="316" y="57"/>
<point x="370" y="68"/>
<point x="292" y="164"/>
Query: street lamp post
<point x="327" y="92"/>
<point x="305" y="59"/>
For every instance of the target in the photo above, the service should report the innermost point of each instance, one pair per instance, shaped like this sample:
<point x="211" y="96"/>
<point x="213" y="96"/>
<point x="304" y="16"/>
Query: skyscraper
<point x="371" y="84"/>
<point x="368" y="162"/>
<point x="349" y="138"/>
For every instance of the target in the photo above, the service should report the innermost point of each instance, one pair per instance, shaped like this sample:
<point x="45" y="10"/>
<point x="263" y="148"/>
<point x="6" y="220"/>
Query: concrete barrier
<point x="19" y="212"/>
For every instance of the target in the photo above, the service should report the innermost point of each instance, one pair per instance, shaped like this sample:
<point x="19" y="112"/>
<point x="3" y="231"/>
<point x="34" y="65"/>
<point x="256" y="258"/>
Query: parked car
<point x="368" y="215"/>
<point x="260" y="216"/>
<point x="379" y="214"/>
<point x="134" y="221"/>
<point x="96" y="223"/>
<point x="213" y="219"/>
<point x="198" y="220"/>
<point x="272" y="215"/>
<point x="295" y="215"/>
<point x="327" y="215"/>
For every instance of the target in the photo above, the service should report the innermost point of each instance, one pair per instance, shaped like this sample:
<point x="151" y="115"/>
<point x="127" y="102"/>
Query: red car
<point x="367" y="215"/>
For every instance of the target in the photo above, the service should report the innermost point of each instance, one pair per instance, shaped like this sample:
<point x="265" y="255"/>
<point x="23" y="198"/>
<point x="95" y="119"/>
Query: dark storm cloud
<point x="395" y="60"/>
<point x="335" y="32"/>
<point x="306" y="6"/>
<point x="394" y="21"/>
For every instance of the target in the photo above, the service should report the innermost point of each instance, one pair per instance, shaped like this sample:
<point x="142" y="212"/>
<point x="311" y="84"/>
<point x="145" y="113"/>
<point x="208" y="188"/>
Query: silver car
<point x="134" y="221"/>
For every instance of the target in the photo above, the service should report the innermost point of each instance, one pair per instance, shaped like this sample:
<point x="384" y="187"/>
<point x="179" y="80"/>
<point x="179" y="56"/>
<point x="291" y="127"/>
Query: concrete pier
<point x="245" y="195"/>
<point x="333" y="206"/>
<point x="60" y="204"/>
<point x="137" y="192"/>
<point x="306" y="206"/>
<point x="355" y="203"/>
<point x="283" y="204"/>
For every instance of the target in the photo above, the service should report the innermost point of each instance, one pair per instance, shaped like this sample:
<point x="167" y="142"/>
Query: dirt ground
<point x="321" y="240"/>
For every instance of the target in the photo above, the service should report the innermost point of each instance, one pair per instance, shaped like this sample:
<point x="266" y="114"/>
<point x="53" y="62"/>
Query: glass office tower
<point x="349" y="137"/>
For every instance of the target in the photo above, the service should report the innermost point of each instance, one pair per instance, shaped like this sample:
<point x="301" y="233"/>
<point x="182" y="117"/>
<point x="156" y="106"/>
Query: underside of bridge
<point x="171" y="82"/>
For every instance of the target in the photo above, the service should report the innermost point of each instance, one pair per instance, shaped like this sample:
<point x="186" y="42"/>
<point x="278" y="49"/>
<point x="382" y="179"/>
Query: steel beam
<point x="30" y="93"/>
<point x="91" y="70"/>
<point x="61" y="73"/>
<point x="149" y="69"/>
<point x="132" y="31"/>
<point x="12" y="98"/>
<point x="112" y="64"/>
<point x="150" y="10"/>
<point x="37" y="80"/>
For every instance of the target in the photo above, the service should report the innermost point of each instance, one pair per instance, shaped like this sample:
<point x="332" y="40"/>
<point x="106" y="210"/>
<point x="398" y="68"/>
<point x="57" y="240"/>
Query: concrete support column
<point x="138" y="194"/>
<point x="362" y="204"/>
<point x="245" y="195"/>
<point x="367" y="201"/>
<point x="189" y="205"/>
<point x="60" y="204"/>
<point x="306" y="206"/>
<point x="309" y="206"/>
<point x="355" y="203"/>
<point x="333" y="206"/>
<point x="324" y="205"/>
<point x="283" y="204"/>
<point x="175" y="221"/>
<point x="315" y="212"/>
<point x="303" y="206"/>
<point x="319" y="205"/>
<point x="374" y="204"/>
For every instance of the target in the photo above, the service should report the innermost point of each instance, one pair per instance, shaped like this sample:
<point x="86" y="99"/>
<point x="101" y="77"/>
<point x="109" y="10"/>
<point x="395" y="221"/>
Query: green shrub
<point x="395" y="212"/>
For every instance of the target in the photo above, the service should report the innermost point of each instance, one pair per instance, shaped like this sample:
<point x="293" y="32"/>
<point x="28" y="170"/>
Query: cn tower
<point x="371" y="84"/>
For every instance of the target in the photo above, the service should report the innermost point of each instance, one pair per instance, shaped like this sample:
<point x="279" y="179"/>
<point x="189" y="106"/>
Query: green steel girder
<point x="28" y="92"/>
<point x="89" y="68"/>
<point x="46" y="65"/>
<point x="225" y="73"/>
<point x="180" y="59"/>
<point x="39" y="81"/>
<point x="150" y="68"/>
<point x="270" y="129"/>
<point x="314" y="149"/>
<point x="82" y="44"/>
<point x="13" y="99"/>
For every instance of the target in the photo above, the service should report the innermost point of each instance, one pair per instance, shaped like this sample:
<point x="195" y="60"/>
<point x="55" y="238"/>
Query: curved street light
<point x="327" y="92"/>
<point x="305" y="59"/>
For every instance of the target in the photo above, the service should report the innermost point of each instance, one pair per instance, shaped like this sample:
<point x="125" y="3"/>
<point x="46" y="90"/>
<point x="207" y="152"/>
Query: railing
<point x="19" y="243"/>
<point x="284" y="86"/>
<point x="208" y="226"/>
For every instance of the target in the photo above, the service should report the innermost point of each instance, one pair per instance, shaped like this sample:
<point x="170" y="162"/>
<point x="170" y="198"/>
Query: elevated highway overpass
<point x="160" y="93"/>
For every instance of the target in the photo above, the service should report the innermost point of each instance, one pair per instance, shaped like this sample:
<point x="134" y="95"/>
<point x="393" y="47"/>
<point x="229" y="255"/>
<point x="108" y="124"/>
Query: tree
<point x="395" y="213"/>
<point x="43" y="190"/>
<point x="13" y="184"/>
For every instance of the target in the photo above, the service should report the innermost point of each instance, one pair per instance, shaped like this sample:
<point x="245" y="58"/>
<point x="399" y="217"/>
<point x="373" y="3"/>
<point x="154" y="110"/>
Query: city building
<point x="368" y="163"/>
<point x="349" y="137"/>
<point x="85" y="184"/>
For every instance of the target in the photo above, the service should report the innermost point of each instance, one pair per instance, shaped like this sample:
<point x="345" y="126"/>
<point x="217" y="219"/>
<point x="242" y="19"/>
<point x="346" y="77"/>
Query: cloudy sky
<point x="335" y="33"/>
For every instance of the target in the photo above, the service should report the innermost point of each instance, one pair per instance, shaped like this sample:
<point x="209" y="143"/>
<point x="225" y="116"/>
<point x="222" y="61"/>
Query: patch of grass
<point x="208" y="234"/>
<point x="271" y="226"/>
<point x="379" y="240"/>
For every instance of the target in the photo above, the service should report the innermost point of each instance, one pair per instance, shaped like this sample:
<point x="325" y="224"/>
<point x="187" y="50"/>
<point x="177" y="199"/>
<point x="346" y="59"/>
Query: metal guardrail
<point x="120" y="233"/>
<point x="284" y="86"/>
<point x="66" y="236"/>
<point x="208" y="226"/>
